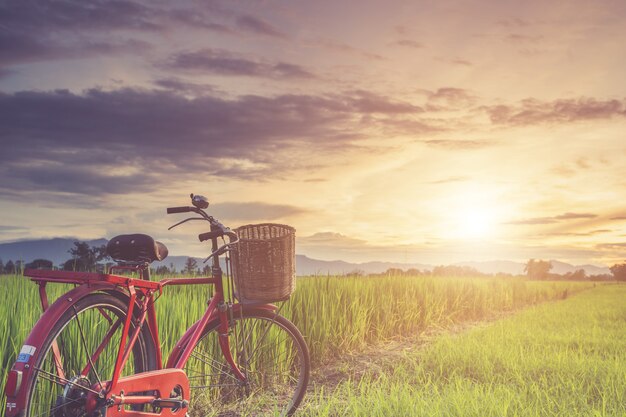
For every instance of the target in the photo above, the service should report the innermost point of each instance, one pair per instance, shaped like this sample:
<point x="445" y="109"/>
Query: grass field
<point x="335" y="314"/>
<point x="566" y="358"/>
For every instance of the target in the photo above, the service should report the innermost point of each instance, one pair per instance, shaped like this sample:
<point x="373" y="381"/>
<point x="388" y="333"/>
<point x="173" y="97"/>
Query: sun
<point x="472" y="214"/>
<point x="475" y="223"/>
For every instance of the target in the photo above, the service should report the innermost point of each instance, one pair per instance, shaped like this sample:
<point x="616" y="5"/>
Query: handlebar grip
<point x="210" y="235"/>
<point x="218" y="233"/>
<point x="171" y="210"/>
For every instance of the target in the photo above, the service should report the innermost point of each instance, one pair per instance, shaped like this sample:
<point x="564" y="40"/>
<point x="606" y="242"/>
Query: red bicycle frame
<point x="140" y="296"/>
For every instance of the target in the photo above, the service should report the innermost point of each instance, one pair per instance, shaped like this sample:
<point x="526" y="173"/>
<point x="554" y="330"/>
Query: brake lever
<point x="185" y="221"/>
<point x="219" y="252"/>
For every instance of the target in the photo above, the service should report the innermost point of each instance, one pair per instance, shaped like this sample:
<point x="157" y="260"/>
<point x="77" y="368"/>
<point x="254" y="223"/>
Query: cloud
<point x="179" y="85"/>
<point x="255" y="211"/>
<point x="38" y="31"/>
<point x="513" y="22"/>
<point x="535" y="220"/>
<point x="554" y="219"/>
<point x="533" y="111"/>
<point x="459" y="61"/>
<point x="4" y="72"/>
<point x="449" y="180"/>
<point x="367" y="102"/>
<point x="449" y="98"/>
<point x="621" y="246"/>
<point x="36" y="16"/>
<point x="11" y="228"/>
<point x="571" y="216"/>
<point x="257" y="26"/>
<point x="519" y="38"/>
<point x="589" y="233"/>
<point x="35" y="31"/>
<point x="575" y="166"/>
<point x="196" y="18"/>
<point x="77" y="179"/>
<point x="17" y="48"/>
<point x="221" y="62"/>
<point x="345" y="48"/>
<point x="618" y="218"/>
<point x="128" y="140"/>
<point x="408" y="43"/>
<point x="331" y="239"/>
<point x="458" y="144"/>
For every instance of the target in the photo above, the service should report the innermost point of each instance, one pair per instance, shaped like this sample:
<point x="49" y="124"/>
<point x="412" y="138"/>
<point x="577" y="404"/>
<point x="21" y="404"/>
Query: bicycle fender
<point x="22" y="369"/>
<point x="182" y="342"/>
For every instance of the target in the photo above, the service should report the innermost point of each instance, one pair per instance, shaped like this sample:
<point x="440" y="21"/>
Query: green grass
<point x="559" y="359"/>
<point x="345" y="314"/>
<point x="335" y="314"/>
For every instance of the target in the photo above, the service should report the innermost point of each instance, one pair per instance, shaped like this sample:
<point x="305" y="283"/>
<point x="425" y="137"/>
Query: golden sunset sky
<point x="410" y="131"/>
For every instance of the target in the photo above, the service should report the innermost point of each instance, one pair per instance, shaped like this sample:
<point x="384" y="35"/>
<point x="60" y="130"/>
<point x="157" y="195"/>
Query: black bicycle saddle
<point x="136" y="248"/>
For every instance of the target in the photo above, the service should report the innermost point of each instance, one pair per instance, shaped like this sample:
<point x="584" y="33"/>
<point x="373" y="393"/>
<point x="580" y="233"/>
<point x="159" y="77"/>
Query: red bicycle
<point x="96" y="351"/>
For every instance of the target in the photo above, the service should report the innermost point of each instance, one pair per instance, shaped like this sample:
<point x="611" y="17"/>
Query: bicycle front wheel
<point x="270" y="352"/>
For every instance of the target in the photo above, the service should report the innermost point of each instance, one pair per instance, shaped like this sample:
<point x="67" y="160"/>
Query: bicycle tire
<point x="99" y="313"/>
<point x="274" y="344"/>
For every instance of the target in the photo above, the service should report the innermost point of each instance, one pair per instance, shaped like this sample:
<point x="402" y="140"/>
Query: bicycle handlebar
<point x="232" y="236"/>
<point x="217" y="228"/>
<point x="172" y="210"/>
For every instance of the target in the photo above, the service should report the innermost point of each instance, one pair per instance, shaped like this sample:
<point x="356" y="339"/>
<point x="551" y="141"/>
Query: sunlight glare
<point x="475" y="223"/>
<point x="475" y="216"/>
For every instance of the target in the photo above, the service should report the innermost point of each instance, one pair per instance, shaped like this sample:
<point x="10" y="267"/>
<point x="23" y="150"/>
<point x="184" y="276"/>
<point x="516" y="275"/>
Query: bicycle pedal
<point x="170" y="403"/>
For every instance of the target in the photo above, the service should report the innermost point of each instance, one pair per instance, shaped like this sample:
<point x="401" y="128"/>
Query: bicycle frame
<point x="140" y="296"/>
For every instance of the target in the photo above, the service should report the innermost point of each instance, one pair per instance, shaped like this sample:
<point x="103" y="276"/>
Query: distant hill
<point x="517" y="268"/>
<point x="493" y="267"/>
<point x="309" y="266"/>
<point x="563" y="268"/>
<point x="57" y="250"/>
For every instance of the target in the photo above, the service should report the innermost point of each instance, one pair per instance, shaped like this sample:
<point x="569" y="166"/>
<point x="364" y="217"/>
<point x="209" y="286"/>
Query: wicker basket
<point x="264" y="265"/>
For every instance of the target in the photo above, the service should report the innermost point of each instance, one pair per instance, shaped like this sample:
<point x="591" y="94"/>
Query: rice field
<point x="335" y="314"/>
<point x="558" y="359"/>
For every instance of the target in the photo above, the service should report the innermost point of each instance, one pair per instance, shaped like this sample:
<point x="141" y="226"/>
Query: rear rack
<point x="71" y="277"/>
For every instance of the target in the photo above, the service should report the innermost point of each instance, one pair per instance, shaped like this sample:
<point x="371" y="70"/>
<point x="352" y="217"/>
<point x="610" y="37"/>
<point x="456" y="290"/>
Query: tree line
<point x="535" y="269"/>
<point x="86" y="258"/>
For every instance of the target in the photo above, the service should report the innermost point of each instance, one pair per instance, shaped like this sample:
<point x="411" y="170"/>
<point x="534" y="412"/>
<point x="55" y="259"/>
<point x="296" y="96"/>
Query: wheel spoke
<point x="268" y="353"/>
<point x="218" y="369"/>
<point x="82" y="337"/>
<point x="50" y="377"/>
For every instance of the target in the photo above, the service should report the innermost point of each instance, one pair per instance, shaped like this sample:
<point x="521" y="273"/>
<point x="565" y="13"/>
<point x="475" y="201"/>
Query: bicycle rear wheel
<point x="270" y="352"/>
<point x="81" y="350"/>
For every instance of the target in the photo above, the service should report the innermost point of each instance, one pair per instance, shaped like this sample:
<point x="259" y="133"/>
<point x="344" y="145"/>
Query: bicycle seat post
<point x="145" y="272"/>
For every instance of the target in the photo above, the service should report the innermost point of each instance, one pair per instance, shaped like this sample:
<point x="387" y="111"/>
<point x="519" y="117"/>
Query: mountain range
<point x="57" y="250"/>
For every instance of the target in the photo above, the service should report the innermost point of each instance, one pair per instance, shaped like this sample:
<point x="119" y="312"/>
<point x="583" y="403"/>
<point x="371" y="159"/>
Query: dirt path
<point x="381" y="357"/>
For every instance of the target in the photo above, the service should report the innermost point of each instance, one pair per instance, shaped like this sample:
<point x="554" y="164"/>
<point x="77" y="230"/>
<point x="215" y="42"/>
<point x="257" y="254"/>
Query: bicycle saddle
<point x="136" y="248"/>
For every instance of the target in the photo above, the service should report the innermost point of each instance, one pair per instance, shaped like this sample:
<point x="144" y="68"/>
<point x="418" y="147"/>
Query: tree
<point x="1" y="267"/>
<point x="619" y="271"/>
<point x="85" y="257"/>
<point x="206" y="271"/>
<point x="9" y="268"/>
<point x="39" y="264"/>
<point x="538" y="269"/>
<point x="191" y="266"/>
<point x="162" y="270"/>
<point x="394" y="272"/>
<point x="579" y="275"/>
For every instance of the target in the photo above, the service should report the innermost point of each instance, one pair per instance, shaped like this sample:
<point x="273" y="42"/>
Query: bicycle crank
<point x="161" y="393"/>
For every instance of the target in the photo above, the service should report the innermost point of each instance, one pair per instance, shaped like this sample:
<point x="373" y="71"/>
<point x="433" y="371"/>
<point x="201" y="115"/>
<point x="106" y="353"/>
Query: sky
<point x="406" y="131"/>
